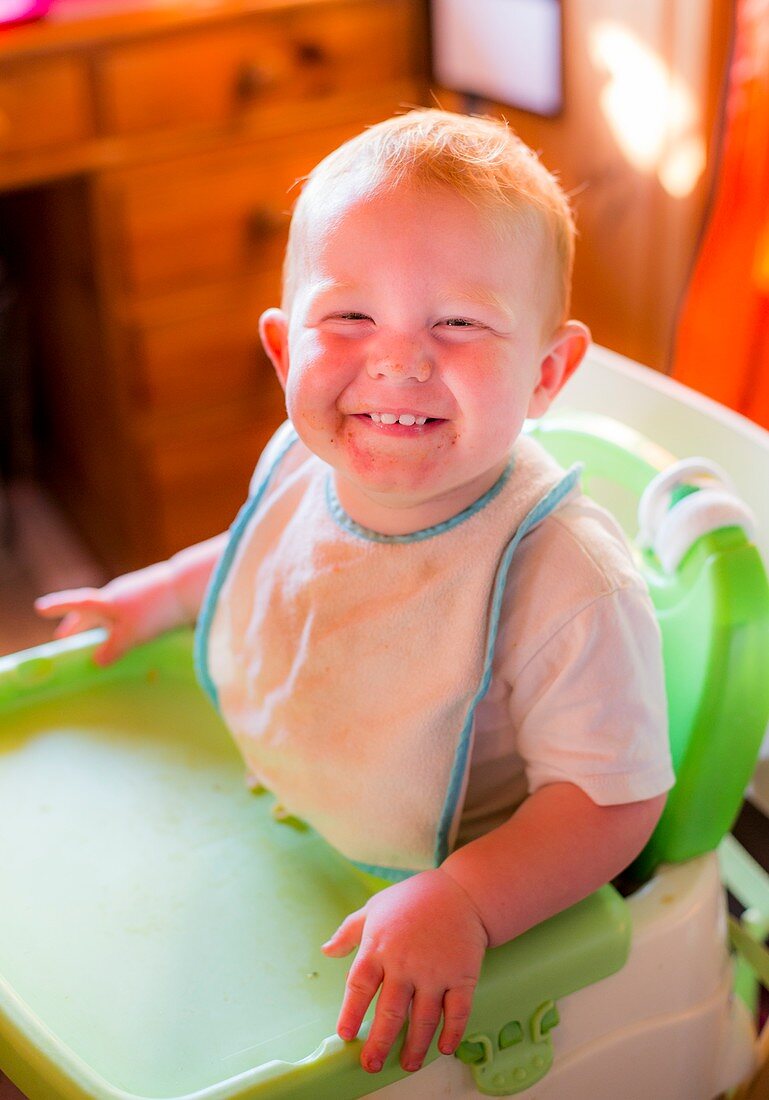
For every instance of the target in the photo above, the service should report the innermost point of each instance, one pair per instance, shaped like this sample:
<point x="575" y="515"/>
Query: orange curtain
<point x="722" y="345"/>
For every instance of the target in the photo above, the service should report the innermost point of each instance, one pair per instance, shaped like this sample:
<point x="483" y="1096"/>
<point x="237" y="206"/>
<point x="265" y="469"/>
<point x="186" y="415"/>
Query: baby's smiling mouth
<point x="406" y="419"/>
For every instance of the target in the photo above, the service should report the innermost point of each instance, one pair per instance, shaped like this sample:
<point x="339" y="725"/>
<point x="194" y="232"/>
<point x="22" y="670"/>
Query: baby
<point x="426" y="642"/>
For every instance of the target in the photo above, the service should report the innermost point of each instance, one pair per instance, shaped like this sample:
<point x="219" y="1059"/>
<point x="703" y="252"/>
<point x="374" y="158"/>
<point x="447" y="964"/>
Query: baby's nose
<point x="412" y="366"/>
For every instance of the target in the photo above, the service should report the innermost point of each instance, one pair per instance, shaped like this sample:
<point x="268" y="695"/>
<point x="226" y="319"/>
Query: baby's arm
<point x="423" y="940"/>
<point x="137" y="606"/>
<point x="557" y="848"/>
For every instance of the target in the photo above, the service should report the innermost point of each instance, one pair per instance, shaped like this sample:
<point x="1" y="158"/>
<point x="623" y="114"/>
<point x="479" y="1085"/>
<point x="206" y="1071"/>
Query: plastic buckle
<point x="522" y="1055"/>
<point x="688" y="500"/>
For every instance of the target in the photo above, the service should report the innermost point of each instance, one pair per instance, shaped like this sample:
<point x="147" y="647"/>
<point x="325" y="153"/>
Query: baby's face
<point x="414" y="350"/>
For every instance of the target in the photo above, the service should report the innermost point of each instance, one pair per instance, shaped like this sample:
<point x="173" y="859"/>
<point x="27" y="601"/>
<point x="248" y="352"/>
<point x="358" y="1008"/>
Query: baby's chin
<point x="398" y="480"/>
<point x="392" y="495"/>
<point x="388" y="513"/>
<point x="401" y="505"/>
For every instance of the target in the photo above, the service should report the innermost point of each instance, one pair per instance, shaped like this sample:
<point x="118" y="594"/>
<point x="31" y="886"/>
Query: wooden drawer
<point x="207" y="219"/>
<point x="197" y="484"/>
<point x="265" y="62"/>
<point x="43" y="104"/>
<point x="192" y="363"/>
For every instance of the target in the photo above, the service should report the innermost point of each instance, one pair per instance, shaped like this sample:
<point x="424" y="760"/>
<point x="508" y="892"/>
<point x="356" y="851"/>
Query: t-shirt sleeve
<point x="590" y="707"/>
<point x="578" y="671"/>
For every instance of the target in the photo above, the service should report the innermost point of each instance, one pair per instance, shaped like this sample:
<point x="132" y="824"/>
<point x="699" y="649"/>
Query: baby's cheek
<point x="309" y="404"/>
<point x="321" y="433"/>
<point x="499" y="422"/>
<point x="307" y="419"/>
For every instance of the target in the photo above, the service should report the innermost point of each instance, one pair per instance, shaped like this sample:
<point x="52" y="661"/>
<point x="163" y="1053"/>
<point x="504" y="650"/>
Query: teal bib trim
<point x="348" y="524"/>
<point x="203" y="629"/>
<point x="391" y="874"/>
<point x="538" y="513"/>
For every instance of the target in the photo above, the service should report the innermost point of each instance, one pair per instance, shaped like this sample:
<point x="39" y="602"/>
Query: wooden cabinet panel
<point x="199" y="362"/>
<point x="171" y="140"/>
<point x="200" y="219"/>
<point x="266" y="62"/>
<point x="197" y="484"/>
<point x="43" y="104"/>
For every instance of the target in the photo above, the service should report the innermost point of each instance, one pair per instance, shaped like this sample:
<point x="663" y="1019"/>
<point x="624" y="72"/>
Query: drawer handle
<point x="310" y="53"/>
<point x="264" y="222"/>
<point x="252" y="80"/>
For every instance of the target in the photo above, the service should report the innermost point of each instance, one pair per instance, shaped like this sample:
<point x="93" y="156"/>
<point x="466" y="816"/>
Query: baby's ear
<point x="273" y="330"/>
<point x="563" y="354"/>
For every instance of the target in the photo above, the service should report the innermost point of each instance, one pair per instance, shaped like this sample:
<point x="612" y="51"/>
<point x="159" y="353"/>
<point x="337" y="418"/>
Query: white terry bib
<point x="348" y="664"/>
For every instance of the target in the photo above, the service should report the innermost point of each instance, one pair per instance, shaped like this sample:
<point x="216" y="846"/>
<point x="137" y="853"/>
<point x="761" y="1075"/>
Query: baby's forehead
<point x="324" y="209"/>
<point x="330" y="214"/>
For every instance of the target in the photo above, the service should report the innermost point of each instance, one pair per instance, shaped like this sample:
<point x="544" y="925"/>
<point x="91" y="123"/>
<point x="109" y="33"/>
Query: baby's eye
<point x="351" y="316"/>
<point x="459" y="322"/>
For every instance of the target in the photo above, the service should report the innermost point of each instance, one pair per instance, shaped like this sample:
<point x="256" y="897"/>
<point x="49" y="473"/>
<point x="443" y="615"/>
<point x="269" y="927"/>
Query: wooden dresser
<point x="147" y="151"/>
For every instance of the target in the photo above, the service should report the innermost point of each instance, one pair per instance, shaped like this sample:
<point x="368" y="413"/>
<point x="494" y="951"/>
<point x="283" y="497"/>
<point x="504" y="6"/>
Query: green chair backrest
<point x="713" y="613"/>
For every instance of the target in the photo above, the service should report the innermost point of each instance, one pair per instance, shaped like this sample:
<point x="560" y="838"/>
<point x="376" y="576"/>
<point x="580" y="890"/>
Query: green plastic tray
<point x="159" y="932"/>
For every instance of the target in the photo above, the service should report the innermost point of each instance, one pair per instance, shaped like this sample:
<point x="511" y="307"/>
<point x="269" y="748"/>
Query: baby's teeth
<point x="407" y="419"/>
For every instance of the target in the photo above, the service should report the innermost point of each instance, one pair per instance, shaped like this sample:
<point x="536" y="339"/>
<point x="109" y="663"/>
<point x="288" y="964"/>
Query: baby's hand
<point x="133" y="608"/>
<point x="423" y="942"/>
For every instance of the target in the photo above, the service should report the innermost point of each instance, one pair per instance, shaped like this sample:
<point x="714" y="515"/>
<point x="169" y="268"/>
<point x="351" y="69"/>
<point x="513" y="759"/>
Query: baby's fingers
<point x="363" y="981"/>
<point x="56" y="604"/>
<point x="114" y="647"/>
<point x="391" y="1011"/>
<point x="425" y="1017"/>
<point x="347" y="935"/>
<point x="74" y="623"/>
<point x="456" y="1012"/>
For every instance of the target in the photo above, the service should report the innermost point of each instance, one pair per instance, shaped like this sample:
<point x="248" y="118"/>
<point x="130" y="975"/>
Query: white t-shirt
<point x="577" y="691"/>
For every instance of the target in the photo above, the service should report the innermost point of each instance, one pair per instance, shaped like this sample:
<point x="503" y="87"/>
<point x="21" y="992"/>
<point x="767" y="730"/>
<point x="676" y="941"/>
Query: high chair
<point x="160" y="931"/>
